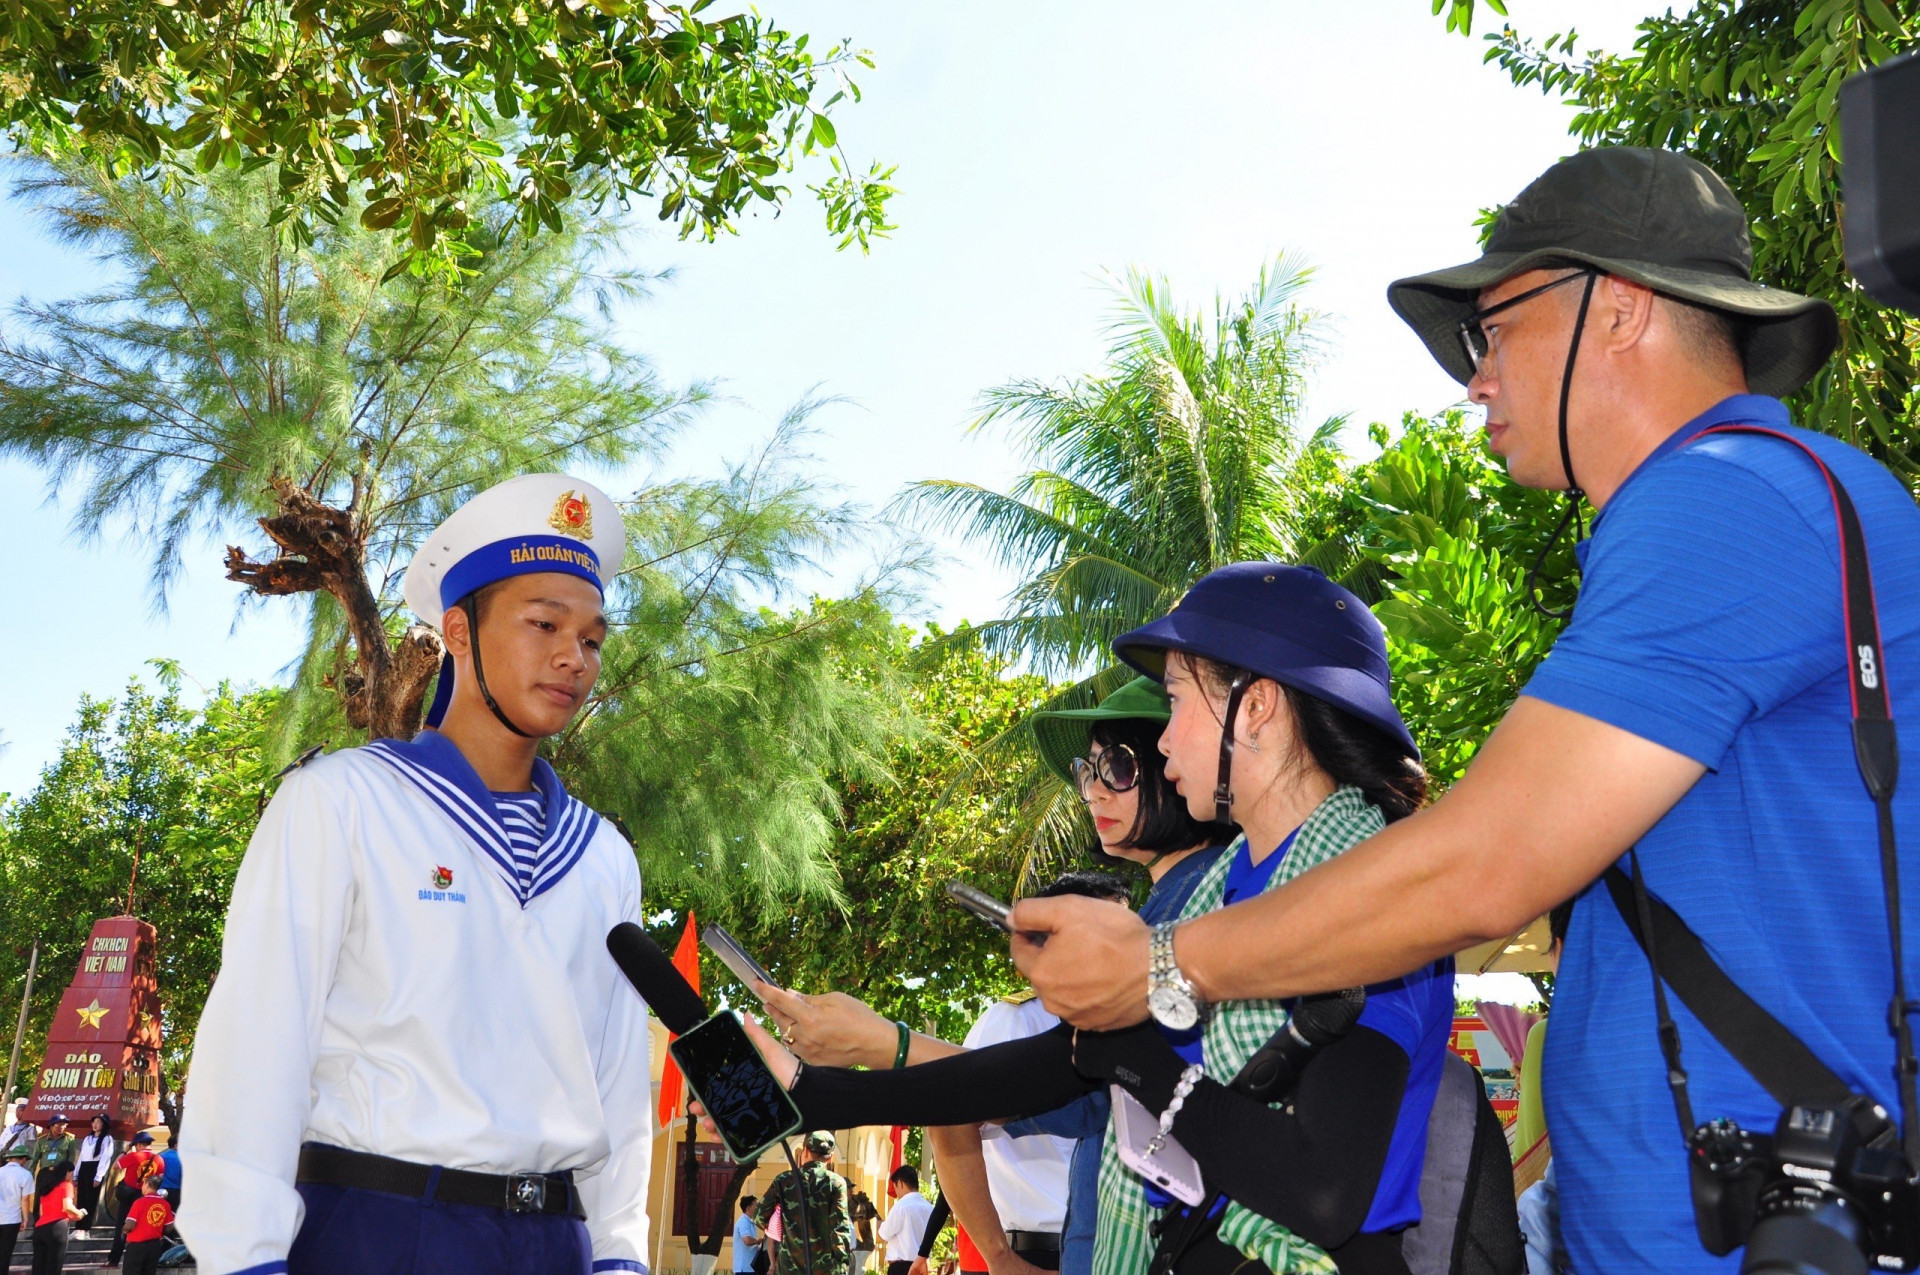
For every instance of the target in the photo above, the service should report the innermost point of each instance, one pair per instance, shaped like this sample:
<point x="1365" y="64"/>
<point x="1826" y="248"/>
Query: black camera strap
<point x="1774" y="1056"/>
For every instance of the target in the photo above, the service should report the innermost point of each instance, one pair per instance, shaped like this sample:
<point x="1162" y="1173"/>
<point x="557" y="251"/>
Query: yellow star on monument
<point x="92" y="1014"/>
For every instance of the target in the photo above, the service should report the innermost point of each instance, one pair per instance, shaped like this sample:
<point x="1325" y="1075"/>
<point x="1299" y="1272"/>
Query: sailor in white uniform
<point x="418" y="1057"/>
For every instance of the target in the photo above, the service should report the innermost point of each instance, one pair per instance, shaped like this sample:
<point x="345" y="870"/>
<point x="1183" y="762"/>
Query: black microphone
<point x="666" y="991"/>
<point x="1316" y="1021"/>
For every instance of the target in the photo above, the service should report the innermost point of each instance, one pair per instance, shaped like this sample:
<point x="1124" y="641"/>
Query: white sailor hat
<point x="536" y="522"/>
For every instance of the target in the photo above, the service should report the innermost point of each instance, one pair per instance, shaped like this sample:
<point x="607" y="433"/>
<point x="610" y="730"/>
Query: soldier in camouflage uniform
<point x="829" y="1229"/>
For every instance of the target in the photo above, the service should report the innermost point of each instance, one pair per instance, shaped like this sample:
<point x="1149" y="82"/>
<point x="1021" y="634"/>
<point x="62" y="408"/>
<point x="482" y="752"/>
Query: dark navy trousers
<point x="372" y="1233"/>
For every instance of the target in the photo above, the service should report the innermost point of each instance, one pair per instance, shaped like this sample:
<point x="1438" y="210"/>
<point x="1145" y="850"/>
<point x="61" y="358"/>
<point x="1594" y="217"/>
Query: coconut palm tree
<point x="1186" y="452"/>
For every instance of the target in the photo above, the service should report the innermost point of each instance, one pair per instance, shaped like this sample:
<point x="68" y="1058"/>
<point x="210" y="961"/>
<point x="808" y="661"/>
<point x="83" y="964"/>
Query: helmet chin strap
<point x="471" y="607"/>
<point x="1574" y="494"/>
<point x="1223" y="790"/>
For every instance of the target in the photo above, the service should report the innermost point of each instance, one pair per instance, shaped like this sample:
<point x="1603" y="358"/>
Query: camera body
<point x="1829" y="1190"/>
<point x="1880" y="135"/>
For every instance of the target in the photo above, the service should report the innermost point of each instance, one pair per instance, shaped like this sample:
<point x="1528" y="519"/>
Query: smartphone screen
<point x="731" y="1080"/>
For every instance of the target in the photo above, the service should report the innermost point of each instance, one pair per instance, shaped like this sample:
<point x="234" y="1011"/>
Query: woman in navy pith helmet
<point x="1281" y="721"/>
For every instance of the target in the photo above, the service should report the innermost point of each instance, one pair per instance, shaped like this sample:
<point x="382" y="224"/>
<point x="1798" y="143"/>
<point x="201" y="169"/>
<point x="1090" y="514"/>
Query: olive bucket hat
<point x="1062" y="735"/>
<point x="1656" y="217"/>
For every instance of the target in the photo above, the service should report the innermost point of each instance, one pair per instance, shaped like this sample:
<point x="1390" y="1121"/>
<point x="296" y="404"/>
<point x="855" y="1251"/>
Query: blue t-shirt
<point x="169" y="1170"/>
<point x="1415" y="1012"/>
<point x="745" y="1241"/>
<point x="1709" y="621"/>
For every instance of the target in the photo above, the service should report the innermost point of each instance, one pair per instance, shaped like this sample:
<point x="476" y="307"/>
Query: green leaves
<point x="1184" y="452"/>
<point x="384" y="101"/>
<point x="1751" y="88"/>
<point x="1454" y="537"/>
<point x="891" y="937"/>
<point x="180" y="789"/>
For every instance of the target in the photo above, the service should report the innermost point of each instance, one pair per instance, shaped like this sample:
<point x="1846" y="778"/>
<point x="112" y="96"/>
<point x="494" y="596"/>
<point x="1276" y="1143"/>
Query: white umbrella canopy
<point x="1523" y="953"/>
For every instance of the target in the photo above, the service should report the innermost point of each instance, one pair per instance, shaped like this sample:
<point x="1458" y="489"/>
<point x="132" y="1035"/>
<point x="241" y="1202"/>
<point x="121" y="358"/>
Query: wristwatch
<point x="1170" y="997"/>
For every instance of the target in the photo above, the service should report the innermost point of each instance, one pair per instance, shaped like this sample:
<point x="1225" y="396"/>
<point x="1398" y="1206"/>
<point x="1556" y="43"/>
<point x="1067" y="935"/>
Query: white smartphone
<point x="734" y="957"/>
<point x="1169" y="1167"/>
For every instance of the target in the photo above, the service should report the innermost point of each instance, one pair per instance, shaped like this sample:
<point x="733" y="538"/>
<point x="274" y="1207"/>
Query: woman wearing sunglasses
<point x="1281" y="721"/>
<point x="1111" y="756"/>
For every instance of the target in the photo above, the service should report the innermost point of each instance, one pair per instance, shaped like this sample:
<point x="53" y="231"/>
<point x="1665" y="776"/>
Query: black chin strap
<point x="471" y="607"/>
<point x="1223" y="790"/>
<point x="1574" y="494"/>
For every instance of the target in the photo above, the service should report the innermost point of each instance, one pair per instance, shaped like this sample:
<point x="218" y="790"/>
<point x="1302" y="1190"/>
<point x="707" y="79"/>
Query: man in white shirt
<point x="18" y="1133"/>
<point x="1026" y="1177"/>
<point x="418" y="1058"/>
<point x="16" y="1189"/>
<point x="906" y="1221"/>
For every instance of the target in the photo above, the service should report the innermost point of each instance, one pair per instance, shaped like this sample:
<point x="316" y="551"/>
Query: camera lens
<point x="1825" y="1240"/>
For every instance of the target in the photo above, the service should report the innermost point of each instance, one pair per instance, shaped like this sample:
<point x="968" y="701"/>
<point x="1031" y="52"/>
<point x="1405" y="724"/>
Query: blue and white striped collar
<point x="437" y="767"/>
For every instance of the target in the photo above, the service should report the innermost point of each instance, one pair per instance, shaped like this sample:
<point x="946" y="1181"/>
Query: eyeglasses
<point x="1116" y="767"/>
<point x="1473" y="337"/>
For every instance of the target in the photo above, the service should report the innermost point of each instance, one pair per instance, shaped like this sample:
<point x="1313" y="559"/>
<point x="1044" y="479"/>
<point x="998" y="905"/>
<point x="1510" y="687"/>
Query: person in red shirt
<point x="53" y="1192"/>
<point x="136" y="1166"/>
<point x="146" y="1229"/>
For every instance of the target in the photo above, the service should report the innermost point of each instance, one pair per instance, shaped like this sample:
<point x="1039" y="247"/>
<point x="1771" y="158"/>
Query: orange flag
<point x="686" y="959"/>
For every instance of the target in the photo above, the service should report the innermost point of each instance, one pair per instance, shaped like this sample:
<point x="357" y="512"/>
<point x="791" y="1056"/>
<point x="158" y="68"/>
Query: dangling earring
<point x="1253" y="741"/>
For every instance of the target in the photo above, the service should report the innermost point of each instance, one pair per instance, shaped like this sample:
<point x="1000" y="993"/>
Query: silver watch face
<point x="1172" y="1008"/>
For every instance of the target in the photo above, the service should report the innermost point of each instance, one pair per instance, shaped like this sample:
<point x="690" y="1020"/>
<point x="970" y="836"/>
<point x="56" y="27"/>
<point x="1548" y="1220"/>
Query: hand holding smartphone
<point x="748" y="1105"/>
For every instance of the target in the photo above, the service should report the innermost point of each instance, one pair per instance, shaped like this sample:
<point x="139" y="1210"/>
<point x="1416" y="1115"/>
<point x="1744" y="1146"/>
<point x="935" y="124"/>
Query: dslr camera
<point x="1829" y="1191"/>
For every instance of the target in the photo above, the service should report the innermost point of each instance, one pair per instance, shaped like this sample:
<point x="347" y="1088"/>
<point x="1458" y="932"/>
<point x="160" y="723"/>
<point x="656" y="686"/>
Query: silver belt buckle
<point x="526" y="1192"/>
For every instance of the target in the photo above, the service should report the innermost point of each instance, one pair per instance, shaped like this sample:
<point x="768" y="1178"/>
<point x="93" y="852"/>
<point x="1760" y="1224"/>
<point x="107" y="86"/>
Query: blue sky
<point x="1039" y="147"/>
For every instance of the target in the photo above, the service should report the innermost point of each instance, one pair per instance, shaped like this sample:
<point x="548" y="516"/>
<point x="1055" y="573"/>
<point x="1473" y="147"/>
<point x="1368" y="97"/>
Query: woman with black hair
<point x="95" y="1162"/>
<point x="1282" y="722"/>
<point x="57" y="1212"/>
<point x="1111" y="756"/>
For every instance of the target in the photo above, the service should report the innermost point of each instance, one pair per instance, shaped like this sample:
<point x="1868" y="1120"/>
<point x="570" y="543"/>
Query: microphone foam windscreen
<point x="653" y="975"/>
<point x="1325" y="1018"/>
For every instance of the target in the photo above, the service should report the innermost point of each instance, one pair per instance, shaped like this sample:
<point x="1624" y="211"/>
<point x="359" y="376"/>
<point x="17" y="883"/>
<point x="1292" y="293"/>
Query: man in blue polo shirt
<point x="1695" y="707"/>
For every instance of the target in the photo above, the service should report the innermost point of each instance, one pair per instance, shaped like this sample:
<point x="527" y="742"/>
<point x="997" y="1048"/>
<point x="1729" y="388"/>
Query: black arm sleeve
<point x="1314" y="1165"/>
<point x="936" y="1220"/>
<point x="1017" y="1078"/>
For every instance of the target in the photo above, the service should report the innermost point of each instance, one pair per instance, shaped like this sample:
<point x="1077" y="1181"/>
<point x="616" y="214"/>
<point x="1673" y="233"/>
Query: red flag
<point x="899" y="1140"/>
<point x="686" y="959"/>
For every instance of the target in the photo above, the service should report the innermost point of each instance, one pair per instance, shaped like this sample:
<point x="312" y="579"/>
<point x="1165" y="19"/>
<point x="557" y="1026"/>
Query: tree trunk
<point x="708" y="1246"/>
<point x="324" y="549"/>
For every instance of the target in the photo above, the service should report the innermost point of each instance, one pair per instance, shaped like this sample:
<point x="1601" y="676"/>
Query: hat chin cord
<point x="1574" y="494"/>
<point x="1223" y="790"/>
<point x="471" y="607"/>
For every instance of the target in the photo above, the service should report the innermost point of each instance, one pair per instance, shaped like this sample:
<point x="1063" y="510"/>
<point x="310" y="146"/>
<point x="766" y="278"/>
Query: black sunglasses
<point x="1473" y="338"/>
<point x="1116" y="767"/>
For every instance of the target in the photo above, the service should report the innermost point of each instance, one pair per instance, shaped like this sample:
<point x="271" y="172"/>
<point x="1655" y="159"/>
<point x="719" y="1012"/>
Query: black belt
<point x="528" y="1192"/>
<point x="1034" y="1241"/>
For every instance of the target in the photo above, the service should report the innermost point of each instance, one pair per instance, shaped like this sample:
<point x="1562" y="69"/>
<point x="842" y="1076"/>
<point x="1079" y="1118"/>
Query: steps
<point x="82" y="1255"/>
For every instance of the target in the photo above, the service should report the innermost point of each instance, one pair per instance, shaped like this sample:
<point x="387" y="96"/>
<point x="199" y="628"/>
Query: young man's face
<point x="540" y="638"/>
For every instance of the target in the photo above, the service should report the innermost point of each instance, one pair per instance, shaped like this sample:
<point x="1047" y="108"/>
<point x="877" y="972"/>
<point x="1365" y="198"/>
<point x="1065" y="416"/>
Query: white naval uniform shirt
<point x="365" y="1002"/>
<point x="1027" y="1177"/>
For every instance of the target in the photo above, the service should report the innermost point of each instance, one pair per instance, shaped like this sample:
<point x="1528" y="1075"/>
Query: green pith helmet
<point x="1063" y="734"/>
